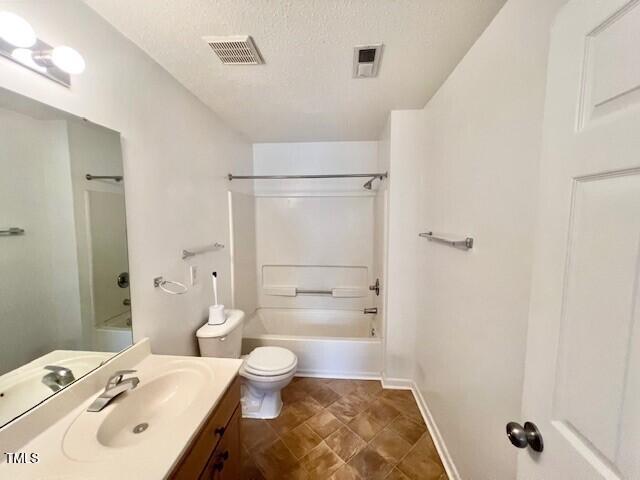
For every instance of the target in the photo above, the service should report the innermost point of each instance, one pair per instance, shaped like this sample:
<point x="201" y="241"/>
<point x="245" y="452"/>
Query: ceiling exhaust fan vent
<point x="366" y="60"/>
<point x="235" y="50"/>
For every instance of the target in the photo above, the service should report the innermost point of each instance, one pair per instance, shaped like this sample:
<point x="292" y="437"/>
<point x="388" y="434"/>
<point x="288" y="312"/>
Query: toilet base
<point x="257" y="403"/>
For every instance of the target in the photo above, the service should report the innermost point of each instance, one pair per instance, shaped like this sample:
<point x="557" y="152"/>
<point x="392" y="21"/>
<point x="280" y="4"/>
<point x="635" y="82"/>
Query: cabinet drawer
<point x="224" y="464"/>
<point x="201" y="448"/>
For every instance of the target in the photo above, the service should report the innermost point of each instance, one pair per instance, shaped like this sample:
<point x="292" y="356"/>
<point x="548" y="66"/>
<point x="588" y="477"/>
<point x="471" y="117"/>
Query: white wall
<point x="315" y="234"/>
<point x="39" y="293"/>
<point x="381" y="234"/>
<point x="176" y="155"/>
<point x="404" y="137"/>
<point x="243" y="251"/>
<point x="477" y="143"/>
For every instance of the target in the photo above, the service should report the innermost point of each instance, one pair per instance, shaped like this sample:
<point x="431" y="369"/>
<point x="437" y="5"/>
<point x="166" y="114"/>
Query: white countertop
<point x="68" y="447"/>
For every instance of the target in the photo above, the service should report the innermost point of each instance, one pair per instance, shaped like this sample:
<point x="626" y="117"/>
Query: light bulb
<point x="23" y="55"/>
<point x="16" y="30"/>
<point x="68" y="60"/>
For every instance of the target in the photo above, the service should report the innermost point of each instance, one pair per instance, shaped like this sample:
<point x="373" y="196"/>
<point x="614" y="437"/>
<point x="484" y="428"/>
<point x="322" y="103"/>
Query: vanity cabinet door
<point x="209" y="439"/>
<point x="224" y="464"/>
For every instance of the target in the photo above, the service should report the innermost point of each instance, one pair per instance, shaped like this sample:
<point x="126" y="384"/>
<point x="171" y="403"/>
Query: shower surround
<point x="314" y="250"/>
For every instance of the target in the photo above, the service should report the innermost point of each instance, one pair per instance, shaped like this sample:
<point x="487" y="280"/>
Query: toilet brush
<point x="214" y="278"/>
<point x="216" y="312"/>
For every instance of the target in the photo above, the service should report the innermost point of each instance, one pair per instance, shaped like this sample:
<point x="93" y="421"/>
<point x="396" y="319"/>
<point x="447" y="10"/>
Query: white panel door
<point x="582" y="380"/>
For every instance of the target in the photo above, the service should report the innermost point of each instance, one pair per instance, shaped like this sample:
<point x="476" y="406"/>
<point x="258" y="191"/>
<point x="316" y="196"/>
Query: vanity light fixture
<point x="68" y="60"/>
<point x="64" y="58"/>
<point x="16" y="30"/>
<point x="24" y="56"/>
<point x="19" y="43"/>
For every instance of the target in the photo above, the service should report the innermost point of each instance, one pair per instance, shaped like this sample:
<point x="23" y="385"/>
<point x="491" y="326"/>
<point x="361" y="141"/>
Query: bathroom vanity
<point x="215" y="452"/>
<point x="181" y="421"/>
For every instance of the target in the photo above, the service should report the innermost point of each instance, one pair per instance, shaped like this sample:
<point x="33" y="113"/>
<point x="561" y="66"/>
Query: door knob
<point x="520" y="436"/>
<point x="123" y="280"/>
<point x="375" y="287"/>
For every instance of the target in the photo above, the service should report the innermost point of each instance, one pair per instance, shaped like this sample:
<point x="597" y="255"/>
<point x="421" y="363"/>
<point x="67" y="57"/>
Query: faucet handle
<point x="116" y="378"/>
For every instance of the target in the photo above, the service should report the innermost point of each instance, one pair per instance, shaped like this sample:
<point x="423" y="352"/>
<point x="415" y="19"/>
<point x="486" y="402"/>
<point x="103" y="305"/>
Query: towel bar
<point x="465" y="244"/>
<point x="12" y="231"/>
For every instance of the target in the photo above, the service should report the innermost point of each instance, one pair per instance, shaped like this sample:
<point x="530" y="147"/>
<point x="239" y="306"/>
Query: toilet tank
<point x="223" y="340"/>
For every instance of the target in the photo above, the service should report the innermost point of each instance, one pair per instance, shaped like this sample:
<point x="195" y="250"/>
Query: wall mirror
<point x="64" y="281"/>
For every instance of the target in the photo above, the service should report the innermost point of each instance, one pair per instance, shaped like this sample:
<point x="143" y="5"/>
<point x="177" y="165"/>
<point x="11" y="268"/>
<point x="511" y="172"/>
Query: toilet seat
<point x="265" y="379"/>
<point x="270" y="362"/>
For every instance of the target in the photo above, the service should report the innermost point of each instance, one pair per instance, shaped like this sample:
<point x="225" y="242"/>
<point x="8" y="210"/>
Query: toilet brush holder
<point x="216" y="315"/>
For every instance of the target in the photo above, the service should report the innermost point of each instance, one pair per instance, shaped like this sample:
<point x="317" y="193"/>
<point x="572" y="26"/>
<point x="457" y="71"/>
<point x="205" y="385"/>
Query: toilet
<point x="265" y="371"/>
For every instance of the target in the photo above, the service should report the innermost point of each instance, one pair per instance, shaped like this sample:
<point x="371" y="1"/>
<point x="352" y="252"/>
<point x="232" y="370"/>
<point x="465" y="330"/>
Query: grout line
<point x="287" y="447"/>
<point x="411" y="450"/>
<point x="374" y="397"/>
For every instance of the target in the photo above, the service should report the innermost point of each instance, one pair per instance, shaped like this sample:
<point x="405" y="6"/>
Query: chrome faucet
<point x="115" y="386"/>
<point x="373" y="310"/>
<point x="58" y="378"/>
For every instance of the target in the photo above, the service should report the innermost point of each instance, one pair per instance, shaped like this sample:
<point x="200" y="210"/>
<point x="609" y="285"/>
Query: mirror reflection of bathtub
<point x="327" y="342"/>
<point x="113" y="334"/>
<point x="110" y="295"/>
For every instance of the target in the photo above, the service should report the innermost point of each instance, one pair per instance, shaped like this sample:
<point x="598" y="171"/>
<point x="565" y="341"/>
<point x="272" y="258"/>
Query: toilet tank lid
<point x="234" y="319"/>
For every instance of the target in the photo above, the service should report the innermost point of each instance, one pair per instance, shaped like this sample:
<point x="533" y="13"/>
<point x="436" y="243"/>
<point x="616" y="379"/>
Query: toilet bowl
<point x="265" y="371"/>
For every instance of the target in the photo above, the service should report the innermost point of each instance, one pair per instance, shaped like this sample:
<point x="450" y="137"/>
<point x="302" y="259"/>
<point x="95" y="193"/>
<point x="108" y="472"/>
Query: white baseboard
<point x="447" y="461"/>
<point x="397" y="383"/>
<point x="340" y="376"/>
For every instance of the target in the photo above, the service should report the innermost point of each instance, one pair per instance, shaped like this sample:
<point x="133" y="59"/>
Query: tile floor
<point x="341" y="430"/>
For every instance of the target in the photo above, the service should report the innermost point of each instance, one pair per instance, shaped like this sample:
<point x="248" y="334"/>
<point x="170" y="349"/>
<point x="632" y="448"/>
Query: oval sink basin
<point x="136" y="416"/>
<point x="151" y="404"/>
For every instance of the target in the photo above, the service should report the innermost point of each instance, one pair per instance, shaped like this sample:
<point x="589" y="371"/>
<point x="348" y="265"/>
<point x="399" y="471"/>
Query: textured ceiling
<point x="305" y="91"/>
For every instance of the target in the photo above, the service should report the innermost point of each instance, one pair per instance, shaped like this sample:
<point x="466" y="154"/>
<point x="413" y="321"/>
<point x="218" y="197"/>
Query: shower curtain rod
<point x="367" y="185"/>
<point x="283" y="177"/>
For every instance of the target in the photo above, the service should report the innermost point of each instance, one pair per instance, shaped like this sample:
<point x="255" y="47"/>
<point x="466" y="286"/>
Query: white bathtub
<point x="330" y="343"/>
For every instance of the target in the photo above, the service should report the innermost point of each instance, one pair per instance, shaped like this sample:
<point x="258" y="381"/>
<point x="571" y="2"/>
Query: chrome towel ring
<point x="161" y="283"/>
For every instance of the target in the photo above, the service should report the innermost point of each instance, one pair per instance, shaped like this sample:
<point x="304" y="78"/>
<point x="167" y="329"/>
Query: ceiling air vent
<point x="366" y="60"/>
<point x="235" y="50"/>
